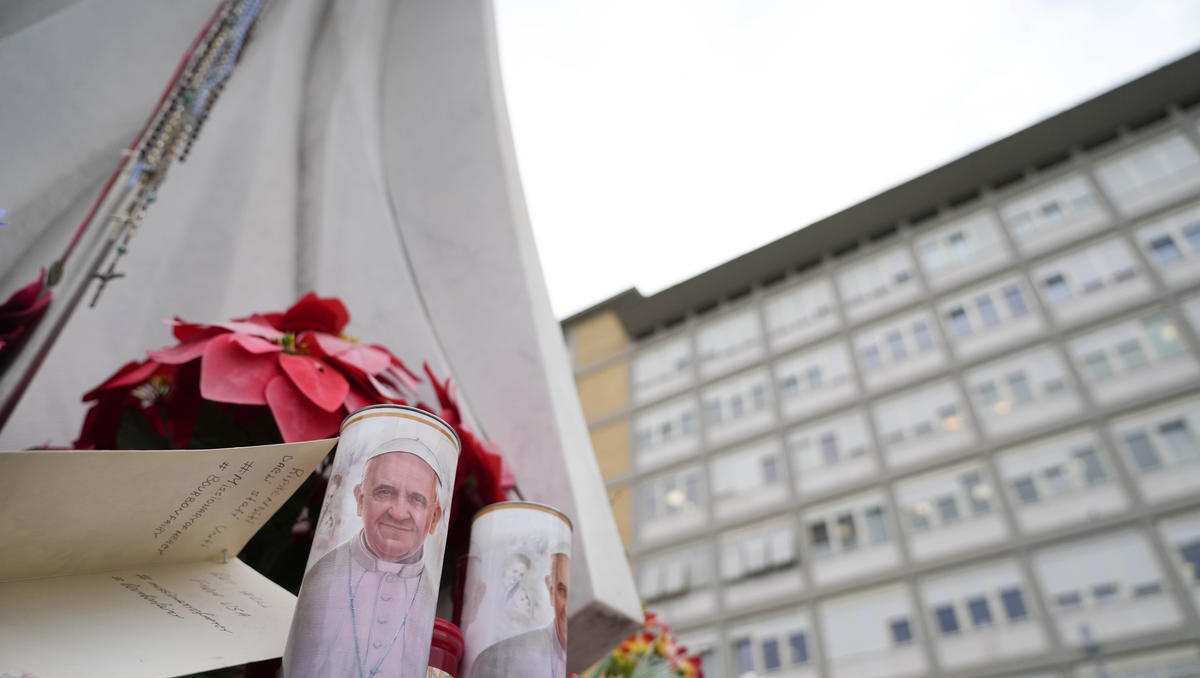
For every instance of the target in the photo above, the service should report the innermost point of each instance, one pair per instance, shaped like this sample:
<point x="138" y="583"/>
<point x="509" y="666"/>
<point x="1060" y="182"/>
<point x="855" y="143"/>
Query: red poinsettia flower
<point x="22" y="310"/>
<point x="297" y="363"/>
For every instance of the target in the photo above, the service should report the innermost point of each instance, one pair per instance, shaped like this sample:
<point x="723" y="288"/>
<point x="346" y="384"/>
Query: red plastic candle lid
<point x="446" y="650"/>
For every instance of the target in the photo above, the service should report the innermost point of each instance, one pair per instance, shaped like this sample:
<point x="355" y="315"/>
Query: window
<point x="896" y="345"/>
<point x="1057" y="481"/>
<point x="876" y="528"/>
<point x="1191" y="555"/>
<point x="814" y="377"/>
<point x="1020" y="387"/>
<point x="736" y="406"/>
<point x="846" y="532"/>
<point x="770" y="469"/>
<point x="829" y="449"/>
<point x="947" y="508"/>
<point x="1131" y="353"/>
<point x="1146" y="590"/>
<point x="1144" y="454"/>
<point x="1105" y="593"/>
<point x="920" y="516"/>
<point x="1192" y="233"/>
<point x="745" y="660"/>
<point x="1025" y="489"/>
<point x="987" y="310"/>
<point x="1164" y="336"/>
<point x="799" y="645"/>
<point x="1093" y="470"/>
<point x="958" y="320"/>
<point x="981" y="613"/>
<point x="901" y="633"/>
<point x="1179" y="439"/>
<point x="977" y="493"/>
<point x="871" y="357"/>
<point x="1164" y="251"/>
<point x="759" y="395"/>
<point x="714" y="411"/>
<point x="692" y="489"/>
<point x="819" y="536"/>
<point x="988" y="394"/>
<point x="1097" y="366"/>
<point x="770" y="649"/>
<point x="790" y="386"/>
<point x="1056" y="289"/>
<point x="947" y="620"/>
<point x="922" y="335"/>
<point x="1015" y="300"/>
<point x="1068" y="601"/>
<point x="1014" y="604"/>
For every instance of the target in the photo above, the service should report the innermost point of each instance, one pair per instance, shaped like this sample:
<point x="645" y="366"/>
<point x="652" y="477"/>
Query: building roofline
<point x="1045" y="143"/>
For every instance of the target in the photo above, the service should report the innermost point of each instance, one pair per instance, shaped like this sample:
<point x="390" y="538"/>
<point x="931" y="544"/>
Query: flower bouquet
<point x="652" y="652"/>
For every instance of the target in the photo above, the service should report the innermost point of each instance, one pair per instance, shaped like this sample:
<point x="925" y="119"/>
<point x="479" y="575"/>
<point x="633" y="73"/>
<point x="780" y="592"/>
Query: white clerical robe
<point x="361" y="617"/>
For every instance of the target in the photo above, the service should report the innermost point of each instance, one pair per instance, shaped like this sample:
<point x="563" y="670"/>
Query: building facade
<point x="951" y="431"/>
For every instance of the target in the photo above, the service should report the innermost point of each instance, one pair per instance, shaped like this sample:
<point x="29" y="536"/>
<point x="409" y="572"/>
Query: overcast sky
<point x="659" y="138"/>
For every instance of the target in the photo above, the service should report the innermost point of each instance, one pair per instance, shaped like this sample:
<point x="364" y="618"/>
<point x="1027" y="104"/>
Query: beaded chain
<point x="173" y="129"/>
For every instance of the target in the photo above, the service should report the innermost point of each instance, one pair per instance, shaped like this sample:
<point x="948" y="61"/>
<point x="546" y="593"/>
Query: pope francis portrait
<point x="366" y="608"/>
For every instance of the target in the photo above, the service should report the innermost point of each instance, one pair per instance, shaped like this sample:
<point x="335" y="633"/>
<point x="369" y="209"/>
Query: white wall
<point x="858" y="639"/>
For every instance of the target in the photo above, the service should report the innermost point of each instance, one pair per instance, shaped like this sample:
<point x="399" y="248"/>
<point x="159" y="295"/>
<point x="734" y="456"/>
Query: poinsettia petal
<point x="356" y="399"/>
<point x="316" y="313"/>
<point x="187" y="351"/>
<point x="256" y="344"/>
<point x="26" y="296"/>
<point x="231" y="374"/>
<point x="325" y="386"/>
<point x="129" y="375"/>
<point x="24" y="313"/>
<point x="251" y="328"/>
<point x="297" y="417"/>
<point x="184" y="330"/>
<point x="365" y="358"/>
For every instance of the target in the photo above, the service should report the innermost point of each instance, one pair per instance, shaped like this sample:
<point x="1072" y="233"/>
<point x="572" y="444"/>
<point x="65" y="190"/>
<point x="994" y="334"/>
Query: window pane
<point x="876" y="528"/>
<point x="847" y="532"/>
<point x="736" y="407"/>
<point x="1015" y="300"/>
<point x="688" y="424"/>
<point x="901" y="633"/>
<point x="947" y="620"/>
<point x="1191" y="555"/>
<point x="770" y="469"/>
<point x="790" y="386"/>
<point x="1131" y="353"/>
<point x="981" y="612"/>
<point x="1025" y="489"/>
<point x="920" y="516"/>
<point x="819" y="536"/>
<point x="988" y="394"/>
<point x="1068" y="601"/>
<point x="923" y="336"/>
<point x="1192" y="233"/>
<point x="829" y="449"/>
<point x="948" y="508"/>
<point x="1144" y="454"/>
<point x="799" y="648"/>
<point x="1056" y="289"/>
<point x="1164" y="336"/>
<point x="814" y="377"/>
<point x="1105" y="593"/>
<point x="1020" y="387"/>
<point x="760" y="396"/>
<point x="977" y="493"/>
<point x="1164" y="251"/>
<point x="896" y="345"/>
<point x="771" y="654"/>
<point x="871" y="356"/>
<point x="1179" y="439"/>
<point x="1097" y="366"/>
<point x="1014" y="604"/>
<point x="1057" y="481"/>
<point x="692" y="486"/>
<point x="958" y="320"/>
<point x="1093" y="470"/>
<point x="987" y="311"/>
<point x="741" y="650"/>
